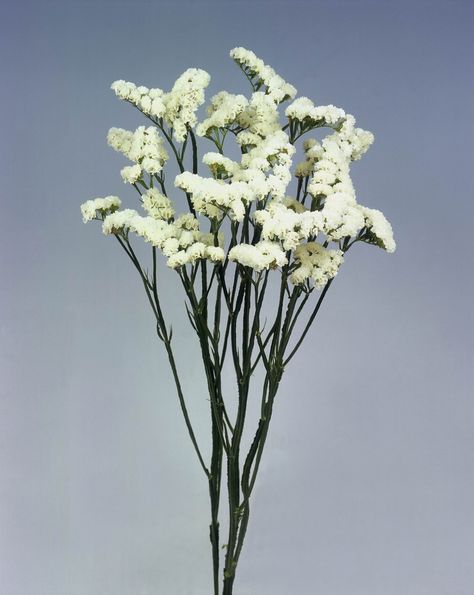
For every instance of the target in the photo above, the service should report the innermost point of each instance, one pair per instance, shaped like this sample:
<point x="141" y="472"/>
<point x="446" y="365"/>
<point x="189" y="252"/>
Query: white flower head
<point x="316" y="263"/>
<point x="260" y="116"/>
<point x="263" y="255"/>
<point x="220" y="166"/>
<point x="131" y="173"/>
<point x="149" y="101"/>
<point x="222" y="112"/>
<point x="144" y="147"/>
<point x="119" y="221"/>
<point x="341" y="216"/>
<point x="178" y="259"/>
<point x="104" y="206"/>
<point x="303" y="110"/>
<point x="263" y="75"/>
<point x="182" y="102"/>
<point x="215" y="254"/>
<point x="157" y="205"/>
<point x="215" y="198"/>
<point x="380" y="231"/>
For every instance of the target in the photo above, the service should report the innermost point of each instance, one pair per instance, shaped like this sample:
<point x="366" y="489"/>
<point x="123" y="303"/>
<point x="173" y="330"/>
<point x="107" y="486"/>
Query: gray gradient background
<point x="367" y="484"/>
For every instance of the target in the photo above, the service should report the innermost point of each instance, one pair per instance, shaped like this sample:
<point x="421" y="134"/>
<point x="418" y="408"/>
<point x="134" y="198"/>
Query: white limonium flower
<point x="262" y="74"/>
<point x="357" y="140"/>
<point x="273" y="149"/>
<point x="304" y="110"/>
<point x="341" y="216"/>
<point x="149" y="101"/>
<point x="178" y="107"/>
<point x="291" y="221"/>
<point x="313" y="151"/>
<point x="157" y="205"/>
<point x="215" y="198"/>
<point x="332" y="169"/>
<point x="196" y="251"/>
<point x="180" y="241"/>
<point x="222" y="112"/>
<point x="280" y="222"/>
<point x="293" y="204"/>
<point x="119" y="222"/>
<point x="263" y="171"/>
<point x="316" y="263"/>
<point x="120" y="140"/>
<point x="144" y="147"/>
<point x="246" y="138"/>
<point x="274" y="153"/>
<point x="215" y="253"/>
<point x="131" y="173"/>
<point x="148" y="150"/>
<point x="153" y="231"/>
<point x="352" y="142"/>
<point x="184" y="99"/>
<point x="221" y="167"/>
<point x="251" y="192"/>
<point x="126" y="90"/>
<point x="90" y="208"/>
<point x="380" y="230"/>
<point x="261" y="116"/>
<point x="263" y="255"/>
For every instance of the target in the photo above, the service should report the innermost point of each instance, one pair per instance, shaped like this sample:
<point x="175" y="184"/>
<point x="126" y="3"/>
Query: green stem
<point x="203" y="336"/>
<point x="195" y="153"/>
<point x="214" y="493"/>
<point x="152" y="294"/>
<point x="309" y="323"/>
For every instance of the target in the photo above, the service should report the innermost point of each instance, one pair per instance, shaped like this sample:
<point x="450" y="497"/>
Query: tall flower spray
<point x="227" y="234"/>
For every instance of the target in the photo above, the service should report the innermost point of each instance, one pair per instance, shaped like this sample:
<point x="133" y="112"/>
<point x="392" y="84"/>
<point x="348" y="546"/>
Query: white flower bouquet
<point x="227" y="233"/>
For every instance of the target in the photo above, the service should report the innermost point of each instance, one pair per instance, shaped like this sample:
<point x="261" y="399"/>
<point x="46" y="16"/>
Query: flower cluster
<point x="263" y="171"/>
<point x="307" y="232"/>
<point x="144" y="147"/>
<point x="259" y="256"/>
<point x="312" y="151"/>
<point x="149" y="101"/>
<point x="178" y="107"/>
<point x="263" y="75"/>
<point x="283" y="223"/>
<point x="317" y="263"/>
<point x="180" y="241"/>
<point x="259" y="119"/>
<point x="379" y="231"/>
<point x="214" y="198"/>
<point x="184" y="99"/>
<point x="157" y="205"/>
<point x="104" y="206"/>
<point x="304" y="110"/>
<point x="221" y="167"/>
<point x="222" y="112"/>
